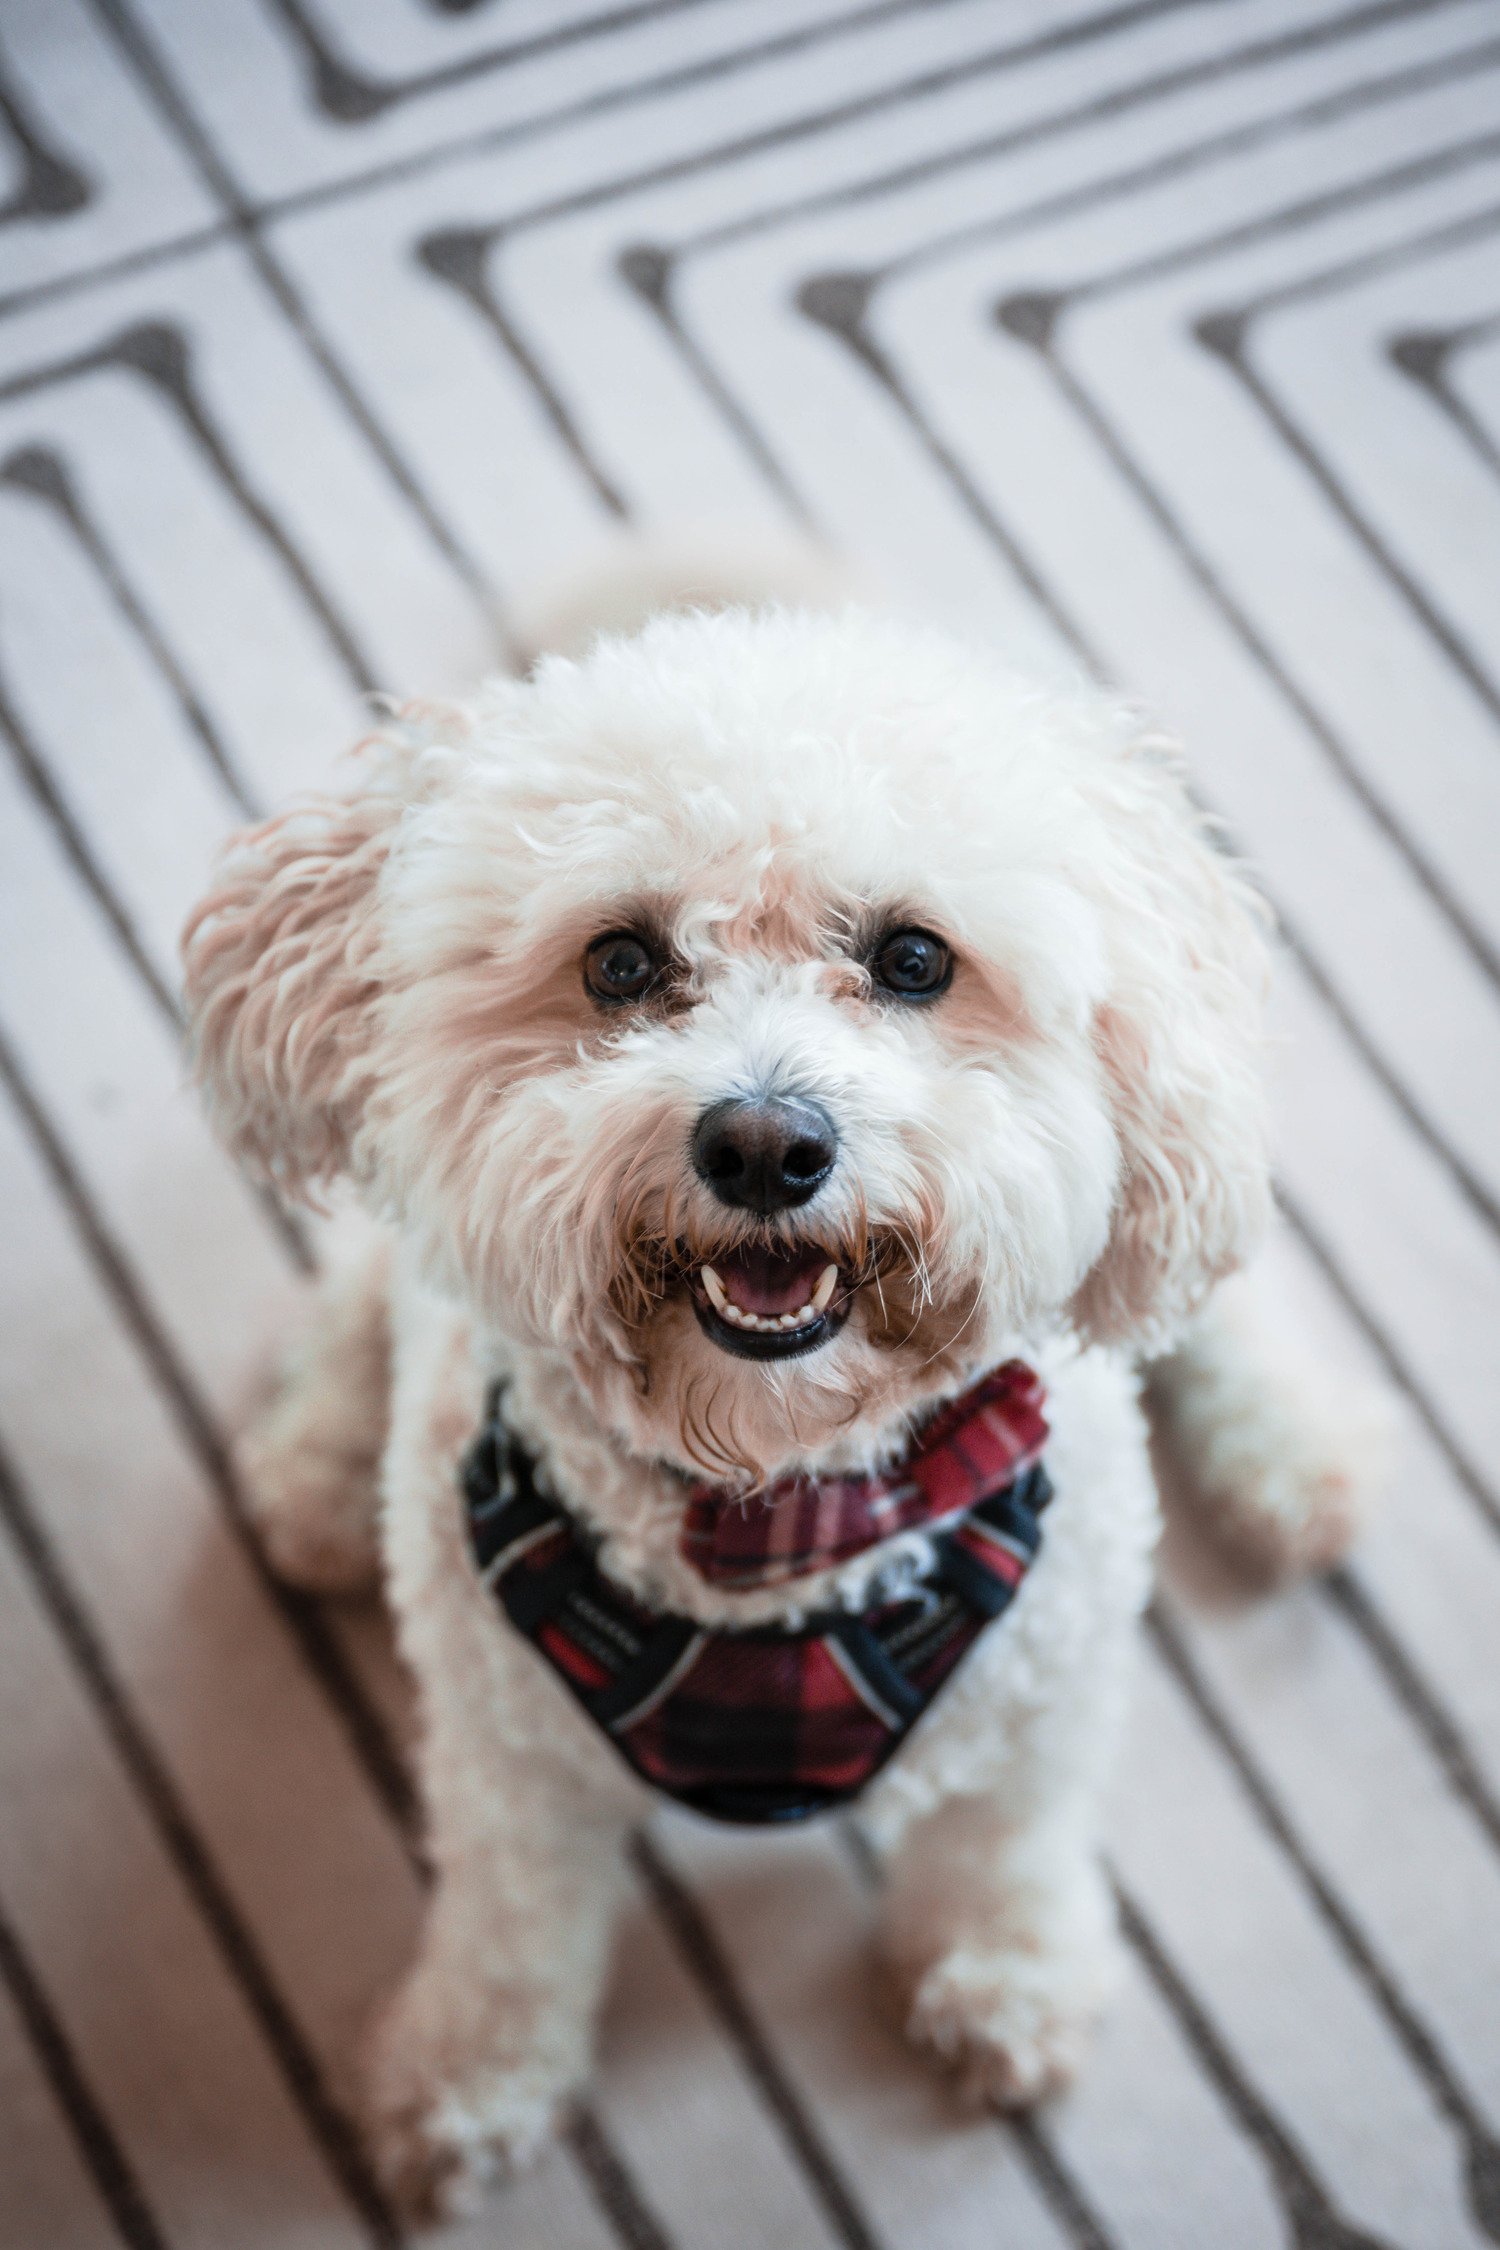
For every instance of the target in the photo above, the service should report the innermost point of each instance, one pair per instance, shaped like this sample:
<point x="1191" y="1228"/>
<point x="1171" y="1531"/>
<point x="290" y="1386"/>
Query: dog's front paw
<point x="1013" y="2022"/>
<point x="437" y="2158"/>
<point x="453" y="2107"/>
<point x="428" y="2173"/>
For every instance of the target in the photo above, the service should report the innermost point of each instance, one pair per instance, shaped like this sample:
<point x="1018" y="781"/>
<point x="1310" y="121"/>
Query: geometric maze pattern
<point x="1159" y="338"/>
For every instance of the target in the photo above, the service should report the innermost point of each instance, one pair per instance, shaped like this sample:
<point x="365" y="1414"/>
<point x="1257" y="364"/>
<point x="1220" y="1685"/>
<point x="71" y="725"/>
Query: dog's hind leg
<point x="311" y="1458"/>
<point x="1263" y="1454"/>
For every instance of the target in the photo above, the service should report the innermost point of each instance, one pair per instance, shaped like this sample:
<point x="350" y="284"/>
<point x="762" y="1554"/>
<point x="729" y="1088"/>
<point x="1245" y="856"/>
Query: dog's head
<point x="780" y="1016"/>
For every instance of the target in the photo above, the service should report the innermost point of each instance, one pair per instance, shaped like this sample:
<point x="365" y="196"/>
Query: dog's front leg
<point x="998" y="1921"/>
<point x="998" y="1925"/>
<point x="527" y="1813"/>
<point x="491" y="2035"/>
<point x="1000" y="1935"/>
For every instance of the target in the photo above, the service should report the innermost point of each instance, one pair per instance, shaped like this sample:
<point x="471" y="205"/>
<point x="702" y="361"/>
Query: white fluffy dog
<point x="756" y="1027"/>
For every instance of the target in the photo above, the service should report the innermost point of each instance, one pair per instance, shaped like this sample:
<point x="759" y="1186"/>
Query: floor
<point x="1164" y="332"/>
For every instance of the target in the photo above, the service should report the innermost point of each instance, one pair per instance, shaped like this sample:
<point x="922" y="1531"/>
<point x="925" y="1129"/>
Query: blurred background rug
<point x="1162" y="336"/>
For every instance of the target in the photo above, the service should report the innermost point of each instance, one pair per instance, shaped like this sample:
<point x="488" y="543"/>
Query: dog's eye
<point x="913" y="963"/>
<point x="619" y="966"/>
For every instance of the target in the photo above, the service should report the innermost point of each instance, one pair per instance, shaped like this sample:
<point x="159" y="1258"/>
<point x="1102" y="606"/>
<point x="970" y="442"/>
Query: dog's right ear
<point x="282" y="983"/>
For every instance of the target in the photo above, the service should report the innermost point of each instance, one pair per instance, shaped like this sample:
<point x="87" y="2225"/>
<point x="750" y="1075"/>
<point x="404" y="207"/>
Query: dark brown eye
<point x="620" y="966"/>
<point x="913" y="964"/>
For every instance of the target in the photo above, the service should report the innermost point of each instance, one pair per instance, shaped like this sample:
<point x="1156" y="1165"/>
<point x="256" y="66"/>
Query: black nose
<point x="764" y="1155"/>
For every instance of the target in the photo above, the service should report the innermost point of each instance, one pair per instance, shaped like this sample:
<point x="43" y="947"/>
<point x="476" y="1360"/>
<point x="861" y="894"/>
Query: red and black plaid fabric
<point x="765" y="1724"/>
<point x="977" y="1444"/>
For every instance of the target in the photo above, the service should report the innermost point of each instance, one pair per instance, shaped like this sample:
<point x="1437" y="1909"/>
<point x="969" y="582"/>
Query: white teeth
<point x="769" y="1324"/>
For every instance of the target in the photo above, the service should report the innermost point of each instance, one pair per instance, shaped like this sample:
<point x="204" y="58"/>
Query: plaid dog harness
<point x="767" y="1723"/>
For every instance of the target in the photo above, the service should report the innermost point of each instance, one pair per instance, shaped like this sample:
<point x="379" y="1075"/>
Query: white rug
<point x="1166" y="331"/>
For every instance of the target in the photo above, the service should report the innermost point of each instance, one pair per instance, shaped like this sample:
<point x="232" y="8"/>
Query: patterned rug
<point x="1165" y="333"/>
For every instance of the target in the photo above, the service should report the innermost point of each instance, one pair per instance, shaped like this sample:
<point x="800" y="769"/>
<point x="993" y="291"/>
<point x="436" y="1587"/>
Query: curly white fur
<point x="1060" y="1158"/>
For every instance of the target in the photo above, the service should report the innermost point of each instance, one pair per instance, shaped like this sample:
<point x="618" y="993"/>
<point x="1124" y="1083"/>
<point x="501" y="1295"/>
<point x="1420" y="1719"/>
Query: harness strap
<point x="876" y="1673"/>
<point x="639" y="1686"/>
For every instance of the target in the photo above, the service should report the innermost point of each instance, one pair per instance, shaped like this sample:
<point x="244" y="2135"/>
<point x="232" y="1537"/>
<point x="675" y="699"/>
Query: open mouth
<point x="770" y="1302"/>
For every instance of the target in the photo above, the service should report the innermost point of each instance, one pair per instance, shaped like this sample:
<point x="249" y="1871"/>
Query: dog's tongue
<point x="770" y="1282"/>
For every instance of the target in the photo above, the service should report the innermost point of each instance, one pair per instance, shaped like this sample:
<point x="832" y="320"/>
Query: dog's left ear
<point x="1180" y="1038"/>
